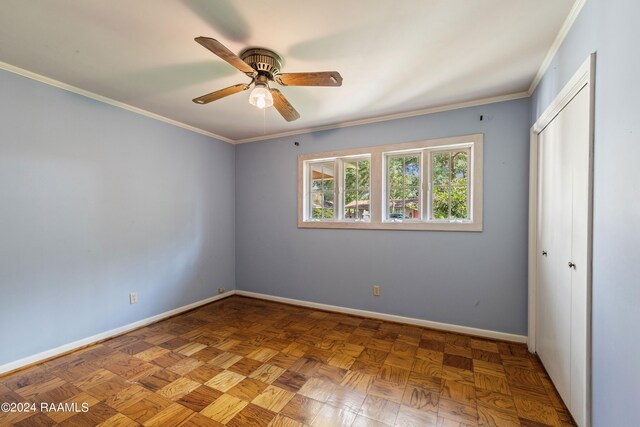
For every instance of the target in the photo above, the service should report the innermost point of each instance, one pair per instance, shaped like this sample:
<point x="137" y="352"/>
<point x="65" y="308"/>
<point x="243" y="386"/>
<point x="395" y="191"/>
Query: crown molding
<point x="447" y="107"/>
<point x="562" y="34"/>
<point x="555" y="46"/>
<point x="414" y="113"/>
<point x="46" y="80"/>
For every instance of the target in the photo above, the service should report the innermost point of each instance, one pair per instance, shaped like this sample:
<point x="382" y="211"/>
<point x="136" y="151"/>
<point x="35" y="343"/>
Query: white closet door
<point x="577" y="134"/>
<point x="554" y="291"/>
<point x="563" y="234"/>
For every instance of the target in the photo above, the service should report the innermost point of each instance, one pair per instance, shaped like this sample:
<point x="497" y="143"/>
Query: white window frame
<point x="339" y="190"/>
<point x="335" y="191"/>
<point x="421" y="192"/>
<point x="342" y="187"/>
<point x="429" y="164"/>
<point x="378" y="185"/>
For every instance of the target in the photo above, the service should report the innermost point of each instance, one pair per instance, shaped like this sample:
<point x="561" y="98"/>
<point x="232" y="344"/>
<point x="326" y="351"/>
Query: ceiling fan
<point x="263" y="66"/>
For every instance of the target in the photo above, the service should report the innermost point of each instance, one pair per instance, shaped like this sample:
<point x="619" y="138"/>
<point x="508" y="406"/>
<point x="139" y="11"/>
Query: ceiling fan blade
<point x="214" y="96"/>
<point x="283" y="106"/>
<point x="221" y="50"/>
<point x="322" y="78"/>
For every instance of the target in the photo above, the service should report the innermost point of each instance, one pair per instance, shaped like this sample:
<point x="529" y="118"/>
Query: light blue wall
<point x="465" y="278"/>
<point x="610" y="28"/>
<point x="95" y="202"/>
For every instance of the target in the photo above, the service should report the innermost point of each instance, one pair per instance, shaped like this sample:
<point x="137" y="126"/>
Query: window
<point x="349" y="178"/>
<point x="425" y="185"/>
<point x="356" y="201"/>
<point x="403" y="187"/>
<point x="450" y="185"/>
<point x="322" y="190"/>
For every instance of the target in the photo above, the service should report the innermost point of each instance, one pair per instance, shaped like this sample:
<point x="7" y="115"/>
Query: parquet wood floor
<point x="243" y="362"/>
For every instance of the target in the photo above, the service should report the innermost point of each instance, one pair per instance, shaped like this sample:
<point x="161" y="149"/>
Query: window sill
<point x="409" y="226"/>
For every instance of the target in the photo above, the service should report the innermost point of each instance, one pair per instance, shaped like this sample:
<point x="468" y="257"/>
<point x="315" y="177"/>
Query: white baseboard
<point x="29" y="360"/>
<point x="392" y="318"/>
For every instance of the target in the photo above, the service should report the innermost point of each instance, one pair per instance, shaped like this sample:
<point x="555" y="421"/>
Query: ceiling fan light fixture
<point x="261" y="97"/>
<point x="263" y="66"/>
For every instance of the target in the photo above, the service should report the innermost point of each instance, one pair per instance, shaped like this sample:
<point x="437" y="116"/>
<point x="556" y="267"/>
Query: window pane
<point x="364" y="209"/>
<point x="350" y="198"/>
<point x="328" y="203"/>
<point x="396" y="193"/>
<point x="315" y="175"/>
<point x="395" y="171"/>
<point x="316" y="199"/>
<point x="459" y="166"/>
<point x="441" y="203"/>
<point x="350" y="175"/>
<point x="350" y="204"/>
<point x="327" y="177"/>
<point x="440" y="168"/>
<point x="412" y="171"/>
<point x="459" y="203"/>
<point x="412" y="180"/>
<point x="363" y="174"/>
<point x="315" y="202"/>
<point x="328" y="199"/>
<point x="411" y="203"/>
<point x="411" y="210"/>
<point x="395" y="209"/>
<point x="411" y="193"/>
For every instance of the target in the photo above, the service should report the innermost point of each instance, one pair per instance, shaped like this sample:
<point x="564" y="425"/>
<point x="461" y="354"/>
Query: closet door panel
<point x="554" y="292"/>
<point x="576" y="133"/>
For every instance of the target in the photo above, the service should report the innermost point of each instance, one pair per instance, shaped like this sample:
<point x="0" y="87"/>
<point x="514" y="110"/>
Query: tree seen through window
<point x="450" y="199"/>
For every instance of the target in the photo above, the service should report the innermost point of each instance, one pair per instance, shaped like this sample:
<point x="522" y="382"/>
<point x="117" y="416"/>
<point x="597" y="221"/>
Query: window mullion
<point x="323" y="201"/>
<point x="357" y="189"/>
<point x="426" y="186"/>
<point x="420" y="188"/>
<point x="404" y="189"/>
<point x="423" y="193"/>
<point x="376" y="187"/>
<point x="337" y="197"/>
<point x="469" y="180"/>
<point x="449" y="183"/>
<point x="321" y="192"/>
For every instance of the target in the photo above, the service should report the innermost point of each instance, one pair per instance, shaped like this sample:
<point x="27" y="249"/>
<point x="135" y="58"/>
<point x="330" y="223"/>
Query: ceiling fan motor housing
<point x="266" y="62"/>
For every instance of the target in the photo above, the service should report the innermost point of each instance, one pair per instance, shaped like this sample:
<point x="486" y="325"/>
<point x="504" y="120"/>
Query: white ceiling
<point x="395" y="56"/>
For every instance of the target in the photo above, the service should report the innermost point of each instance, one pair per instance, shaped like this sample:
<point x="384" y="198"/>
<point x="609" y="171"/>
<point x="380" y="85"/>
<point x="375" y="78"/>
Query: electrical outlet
<point x="220" y="290"/>
<point x="376" y="290"/>
<point x="133" y="297"/>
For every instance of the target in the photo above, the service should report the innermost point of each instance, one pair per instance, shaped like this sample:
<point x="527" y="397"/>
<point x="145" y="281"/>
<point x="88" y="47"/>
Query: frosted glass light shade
<point x="261" y="97"/>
